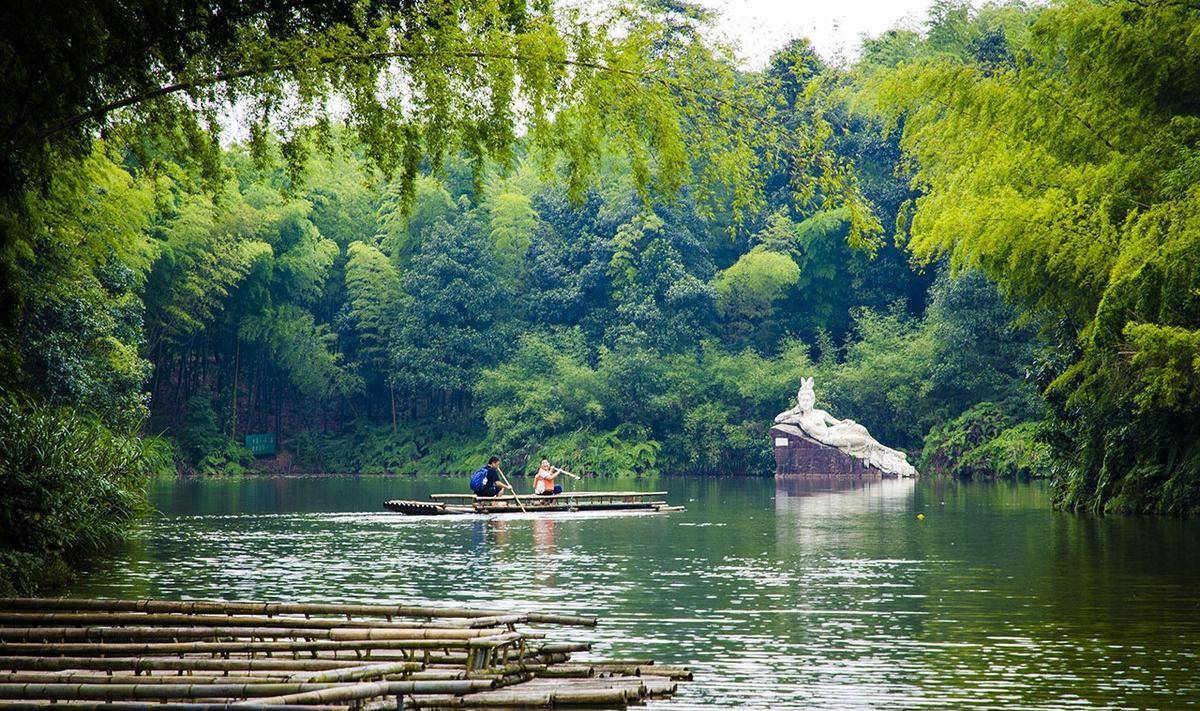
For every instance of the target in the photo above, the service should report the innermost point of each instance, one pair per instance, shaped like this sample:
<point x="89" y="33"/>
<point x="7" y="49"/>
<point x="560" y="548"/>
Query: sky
<point x="759" y="27"/>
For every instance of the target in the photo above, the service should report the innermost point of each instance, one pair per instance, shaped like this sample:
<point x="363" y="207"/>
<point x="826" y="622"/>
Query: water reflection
<point x="830" y="496"/>
<point x="797" y="595"/>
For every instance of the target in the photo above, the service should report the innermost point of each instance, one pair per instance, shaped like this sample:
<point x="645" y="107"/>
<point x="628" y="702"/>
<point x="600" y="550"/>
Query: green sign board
<point x="261" y="444"/>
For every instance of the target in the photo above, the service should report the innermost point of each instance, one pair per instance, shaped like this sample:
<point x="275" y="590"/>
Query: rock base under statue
<point x="799" y="456"/>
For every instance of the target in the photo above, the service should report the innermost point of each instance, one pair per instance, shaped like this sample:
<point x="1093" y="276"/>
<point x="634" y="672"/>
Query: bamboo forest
<point x="272" y="271"/>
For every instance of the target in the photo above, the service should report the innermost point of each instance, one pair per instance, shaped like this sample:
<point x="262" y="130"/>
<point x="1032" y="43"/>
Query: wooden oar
<point x="510" y="488"/>
<point x="564" y="471"/>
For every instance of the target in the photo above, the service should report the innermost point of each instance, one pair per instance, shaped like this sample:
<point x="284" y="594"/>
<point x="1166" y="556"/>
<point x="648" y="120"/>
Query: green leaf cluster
<point x="1064" y="167"/>
<point x="71" y="487"/>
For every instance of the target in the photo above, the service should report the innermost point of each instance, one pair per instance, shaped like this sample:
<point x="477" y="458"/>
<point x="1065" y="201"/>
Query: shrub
<point x="416" y="447"/>
<point x="160" y="455"/>
<point x="985" y="442"/>
<point x="69" y="487"/>
<point x="229" y="457"/>
<point x="199" y="435"/>
<point x="625" y="451"/>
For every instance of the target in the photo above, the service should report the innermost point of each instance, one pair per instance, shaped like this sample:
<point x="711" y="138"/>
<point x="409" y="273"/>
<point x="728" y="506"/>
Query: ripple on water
<point x="791" y="598"/>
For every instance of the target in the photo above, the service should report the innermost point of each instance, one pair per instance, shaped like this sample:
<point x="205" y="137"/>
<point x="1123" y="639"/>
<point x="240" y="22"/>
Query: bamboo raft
<point x="164" y="655"/>
<point x="446" y="504"/>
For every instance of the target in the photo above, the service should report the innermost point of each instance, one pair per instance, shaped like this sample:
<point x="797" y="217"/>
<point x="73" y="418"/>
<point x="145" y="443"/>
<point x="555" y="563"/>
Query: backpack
<point x="479" y="479"/>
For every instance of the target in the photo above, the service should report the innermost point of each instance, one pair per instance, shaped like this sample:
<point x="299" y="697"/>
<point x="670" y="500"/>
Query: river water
<point x="796" y="596"/>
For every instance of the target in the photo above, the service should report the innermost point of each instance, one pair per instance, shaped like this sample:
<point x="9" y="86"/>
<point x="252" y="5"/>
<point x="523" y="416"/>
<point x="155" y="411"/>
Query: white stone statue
<point x="847" y="435"/>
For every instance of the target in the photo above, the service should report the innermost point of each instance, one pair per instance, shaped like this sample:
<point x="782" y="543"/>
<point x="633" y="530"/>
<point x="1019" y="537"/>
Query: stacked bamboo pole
<point x="163" y="655"/>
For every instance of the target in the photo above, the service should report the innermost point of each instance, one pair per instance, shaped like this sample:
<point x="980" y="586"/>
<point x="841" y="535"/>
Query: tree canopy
<point x="1064" y="168"/>
<point x="400" y="235"/>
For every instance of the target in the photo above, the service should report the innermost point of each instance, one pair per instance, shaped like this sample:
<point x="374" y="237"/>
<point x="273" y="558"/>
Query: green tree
<point x="513" y="221"/>
<point x="656" y="294"/>
<point x="74" y="323"/>
<point x="447" y="330"/>
<point x="403" y="225"/>
<point x="374" y="298"/>
<point x="1068" y="178"/>
<point x="749" y="291"/>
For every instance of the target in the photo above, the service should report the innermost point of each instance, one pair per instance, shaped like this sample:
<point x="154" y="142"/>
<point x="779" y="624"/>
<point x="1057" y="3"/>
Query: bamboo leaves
<point x="1066" y="174"/>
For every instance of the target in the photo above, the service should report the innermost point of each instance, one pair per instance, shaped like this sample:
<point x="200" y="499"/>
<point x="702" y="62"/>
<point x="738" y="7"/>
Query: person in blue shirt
<point x="486" y="480"/>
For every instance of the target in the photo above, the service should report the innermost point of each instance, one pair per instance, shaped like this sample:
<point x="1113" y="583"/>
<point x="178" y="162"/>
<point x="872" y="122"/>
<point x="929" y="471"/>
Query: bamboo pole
<point x="442" y="634"/>
<point x="450" y="674"/>
<point x="154" y="706"/>
<point x="94" y="677"/>
<point x="153" y="648"/>
<point x="86" y="692"/>
<point x="270" y="608"/>
<point x="510" y="488"/>
<point x="498" y="640"/>
<point x="530" y="657"/>
<point x="634" y="687"/>
<point x="509" y="619"/>
<point x="436" y="657"/>
<point x="355" y="673"/>
<point x="346" y="674"/>
<point x="292" y="693"/>
<point x="145" y="619"/>
<point x="551" y="647"/>
<point x="190" y="664"/>
<point x="568" y="671"/>
<point x="506" y="698"/>
<point x="233" y="413"/>
<point x="576" y="477"/>
<point x="669" y="671"/>
<point x="238" y="607"/>
<point x="354" y="692"/>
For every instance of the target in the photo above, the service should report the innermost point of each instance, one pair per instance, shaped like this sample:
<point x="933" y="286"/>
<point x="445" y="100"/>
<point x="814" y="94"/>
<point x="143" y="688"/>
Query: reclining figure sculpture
<point x="846" y="435"/>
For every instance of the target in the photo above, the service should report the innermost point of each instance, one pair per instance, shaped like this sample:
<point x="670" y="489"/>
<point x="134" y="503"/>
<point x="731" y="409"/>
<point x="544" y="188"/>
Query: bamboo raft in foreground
<point x="165" y="655"/>
<point x="444" y="504"/>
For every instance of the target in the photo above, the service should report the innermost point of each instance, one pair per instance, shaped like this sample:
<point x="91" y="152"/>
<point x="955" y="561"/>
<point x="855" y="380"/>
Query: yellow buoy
<point x="920" y="517"/>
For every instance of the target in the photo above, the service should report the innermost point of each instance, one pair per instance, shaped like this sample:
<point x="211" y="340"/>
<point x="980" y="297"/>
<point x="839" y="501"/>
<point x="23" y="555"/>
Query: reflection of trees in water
<point x="992" y="588"/>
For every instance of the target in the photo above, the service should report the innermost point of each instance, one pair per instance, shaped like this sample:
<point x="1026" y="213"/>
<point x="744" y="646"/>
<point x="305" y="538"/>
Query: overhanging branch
<point x="228" y="76"/>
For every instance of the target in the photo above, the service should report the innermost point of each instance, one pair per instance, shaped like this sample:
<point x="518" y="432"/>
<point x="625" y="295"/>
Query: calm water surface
<point x="801" y="596"/>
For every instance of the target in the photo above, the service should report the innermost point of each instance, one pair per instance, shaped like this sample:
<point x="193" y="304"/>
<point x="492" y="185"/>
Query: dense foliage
<point x="1059" y="156"/>
<point x="144" y="264"/>
<point x="535" y="233"/>
<point x="612" y="334"/>
<point x="71" y="487"/>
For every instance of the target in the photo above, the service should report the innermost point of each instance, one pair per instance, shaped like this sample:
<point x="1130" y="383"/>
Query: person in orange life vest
<point x="543" y="481"/>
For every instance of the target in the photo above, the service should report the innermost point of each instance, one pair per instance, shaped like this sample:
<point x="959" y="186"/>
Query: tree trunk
<point x="233" y="413"/>
<point x="392" y="390"/>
